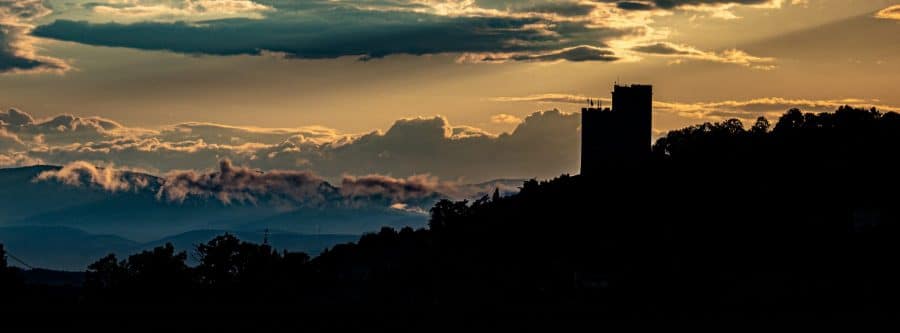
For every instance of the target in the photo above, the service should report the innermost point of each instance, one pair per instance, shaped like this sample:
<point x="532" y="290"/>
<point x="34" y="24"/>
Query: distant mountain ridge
<point x="56" y="225"/>
<point x="138" y="214"/>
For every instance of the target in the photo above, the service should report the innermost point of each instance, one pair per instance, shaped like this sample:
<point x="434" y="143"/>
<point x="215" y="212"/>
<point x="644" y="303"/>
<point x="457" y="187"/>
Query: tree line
<point x="799" y="218"/>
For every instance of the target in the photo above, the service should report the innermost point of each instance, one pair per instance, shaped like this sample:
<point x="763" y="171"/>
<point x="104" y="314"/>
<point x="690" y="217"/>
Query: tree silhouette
<point x="154" y="276"/>
<point x="760" y="127"/>
<point x="3" y="264"/>
<point x="106" y="273"/>
<point x="7" y="280"/>
<point x="248" y="269"/>
<point x="799" y="219"/>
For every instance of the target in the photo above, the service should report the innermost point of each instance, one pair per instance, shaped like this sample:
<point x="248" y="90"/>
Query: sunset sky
<point x="404" y="87"/>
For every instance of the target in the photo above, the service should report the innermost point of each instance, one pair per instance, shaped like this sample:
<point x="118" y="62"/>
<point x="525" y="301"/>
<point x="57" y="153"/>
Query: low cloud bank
<point x="232" y="184"/>
<point x="543" y="144"/>
<point x="110" y="179"/>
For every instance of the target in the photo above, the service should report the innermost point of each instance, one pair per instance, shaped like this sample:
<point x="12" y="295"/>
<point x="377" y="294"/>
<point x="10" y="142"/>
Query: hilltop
<point x="792" y="220"/>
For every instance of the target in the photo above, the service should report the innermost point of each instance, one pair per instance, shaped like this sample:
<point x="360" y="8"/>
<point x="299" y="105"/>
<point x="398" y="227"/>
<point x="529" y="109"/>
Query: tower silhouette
<point x="619" y="136"/>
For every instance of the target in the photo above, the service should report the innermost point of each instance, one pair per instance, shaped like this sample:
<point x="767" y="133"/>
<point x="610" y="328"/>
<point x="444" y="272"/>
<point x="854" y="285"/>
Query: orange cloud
<point x="505" y="119"/>
<point x="890" y="13"/>
<point x="729" y="56"/>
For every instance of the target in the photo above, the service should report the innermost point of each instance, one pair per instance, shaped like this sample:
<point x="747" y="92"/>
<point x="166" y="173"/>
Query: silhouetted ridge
<point x="723" y="222"/>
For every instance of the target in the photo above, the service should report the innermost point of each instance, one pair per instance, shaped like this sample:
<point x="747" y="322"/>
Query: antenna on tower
<point x="266" y="237"/>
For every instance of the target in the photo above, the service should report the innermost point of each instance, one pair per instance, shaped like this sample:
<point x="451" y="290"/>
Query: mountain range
<point x="50" y="223"/>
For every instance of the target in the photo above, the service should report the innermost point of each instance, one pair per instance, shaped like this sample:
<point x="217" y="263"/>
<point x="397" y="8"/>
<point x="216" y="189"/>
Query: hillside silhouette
<point x="793" y="219"/>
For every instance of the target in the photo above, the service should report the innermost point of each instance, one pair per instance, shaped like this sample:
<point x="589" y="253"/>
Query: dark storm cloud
<point x="17" y="52"/>
<point x="668" y="4"/>
<point x="539" y="30"/>
<point x="8" y="58"/>
<point x="672" y="4"/>
<point x="632" y="5"/>
<point x="318" y="30"/>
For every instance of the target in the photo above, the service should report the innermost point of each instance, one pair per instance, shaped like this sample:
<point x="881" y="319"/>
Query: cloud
<point x="425" y="146"/>
<point x="890" y="13"/>
<point x="212" y="133"/>
<point x="407" y="208"/>
<point x="505" y="119"/>
<point x="546" y="98"/>
<point x="162" y="10"/>
<point x="693" y="5"/>
<point x="669" y="4"/>
<point x="542" y="145"/>
<point x="665" y="49"/>
<point x="716" y="110"/>
<point x="366" y="29"/>
<point x="634" y="5"/>
<point x="563" y="8"/>
<point x="64" y="128"/>
<point x="479" y="30"/>
<point x="717" y="9"/>
<point x="244" y="185"/>
<point x="232" y="184"/>
<point x="575" y="54"/>
<point x="771" y="107"/>
<point x="396" y="190"/>
<point x="729" y="56"/>
<point x="235" y="185"/>
<point x="18" y="53"/>
<point x="469" y="132"/>
<point x="81" y="173"/>
<point x="9" y="141"/>
<point x="573" y="7"/>
<point x="15" y="159"/>
<point x="15" y="118"/>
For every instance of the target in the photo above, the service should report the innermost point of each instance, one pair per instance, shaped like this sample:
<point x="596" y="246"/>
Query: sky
<point x="465" y="90"/>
